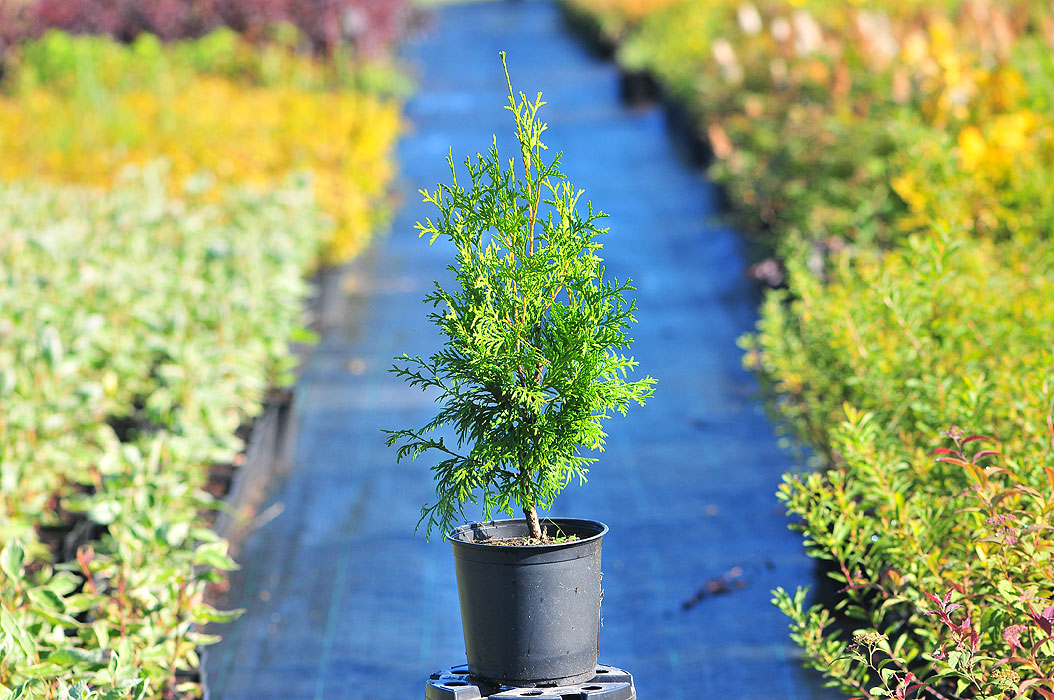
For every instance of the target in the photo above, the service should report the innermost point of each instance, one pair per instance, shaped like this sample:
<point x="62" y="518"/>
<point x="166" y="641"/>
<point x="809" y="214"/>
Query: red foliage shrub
<point x="124" y="19"/>
<point x="367" y="25"/>
<point x="16" y="22"/>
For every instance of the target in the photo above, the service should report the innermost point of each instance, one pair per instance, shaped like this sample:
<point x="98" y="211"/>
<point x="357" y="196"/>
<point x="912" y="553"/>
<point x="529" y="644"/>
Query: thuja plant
<point x="535" y="336"/>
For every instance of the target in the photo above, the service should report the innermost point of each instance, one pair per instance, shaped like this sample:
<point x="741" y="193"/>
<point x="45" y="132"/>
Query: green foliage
<point x="946" y="329"/>
<point x="802" y="156"/>
<point x="835" y="125"/>
<point x="78" y="108"/>
<point x="867" y="370"/>
<point x="75" y="63"/>
<point x="139" y="331"/>
<point x="946" y="567"/>
<point x="535" y="334"/>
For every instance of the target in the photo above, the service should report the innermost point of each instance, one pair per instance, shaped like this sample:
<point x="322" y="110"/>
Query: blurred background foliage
<point x="369" y="27"/>
<point x="170" y="175"/>
<point x="894" y="164"/>
<point x="78" y="108"/>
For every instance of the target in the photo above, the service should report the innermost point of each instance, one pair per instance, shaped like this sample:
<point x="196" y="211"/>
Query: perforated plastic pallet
<point x="455" y="683"/>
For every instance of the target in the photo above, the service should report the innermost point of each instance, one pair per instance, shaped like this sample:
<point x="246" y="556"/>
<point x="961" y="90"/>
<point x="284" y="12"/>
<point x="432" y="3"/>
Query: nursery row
<point x="867" y="370"/>
<point x="77" y="109"/>
<point x="834" y="125"/>
<point x="161" y="204"/>
<point x="140" y="331"/>
<point x="895" y="161"/>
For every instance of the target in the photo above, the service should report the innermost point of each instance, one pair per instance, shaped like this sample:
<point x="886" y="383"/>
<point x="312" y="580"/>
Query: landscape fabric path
<point x="343" y="600"/>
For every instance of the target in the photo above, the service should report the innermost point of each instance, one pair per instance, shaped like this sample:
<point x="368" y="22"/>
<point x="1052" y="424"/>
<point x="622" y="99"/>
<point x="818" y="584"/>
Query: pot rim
<point x="601" y="530"/>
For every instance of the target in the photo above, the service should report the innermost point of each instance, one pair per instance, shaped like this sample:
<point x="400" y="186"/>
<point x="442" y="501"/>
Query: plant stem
<point x="533" y="525"/>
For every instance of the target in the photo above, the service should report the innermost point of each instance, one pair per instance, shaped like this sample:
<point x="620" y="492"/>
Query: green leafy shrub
<point x="71" y="63"/>
<point x="946" y="567"/>
<point x="797" y="115"/>
<point x="866" y="370"/>
<point x="945" y="329"/>
<point x="138" y="332"/>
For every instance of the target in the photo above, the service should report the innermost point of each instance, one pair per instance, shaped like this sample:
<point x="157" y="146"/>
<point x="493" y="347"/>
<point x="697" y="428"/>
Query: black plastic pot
<point x="531" y="614"/>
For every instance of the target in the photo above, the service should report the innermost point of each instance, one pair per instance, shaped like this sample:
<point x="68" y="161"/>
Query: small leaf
<point x="204" y="534"/>
<point x="206" y="613"/>
<point x="7" y="381"/>
<point x="64" y="583"/>
<point x="58" y="619"/>
<point x="82" y="602"/>
<point x="12" y="629"/>
<point x="80" y="691"/>
<point x="214" y="554"/>
<point x="47" y="599"/>
<point x="304" y="335"/>
<point x="104" y="512"/>
<point x="21" y="691"/>
<point x="52" y="345"/>
<point x="12" y="558"/>
<point x="71" y="656"/>
<point x="176" y="533"/>
<point x="208" y="576"/>
<point x="1006" y="589"/>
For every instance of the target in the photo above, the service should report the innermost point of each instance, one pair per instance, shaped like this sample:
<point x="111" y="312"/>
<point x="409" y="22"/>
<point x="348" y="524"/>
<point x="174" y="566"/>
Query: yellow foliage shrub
<point x="239" y="133"/>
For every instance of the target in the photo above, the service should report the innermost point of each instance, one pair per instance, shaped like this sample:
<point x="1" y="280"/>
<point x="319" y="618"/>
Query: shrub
<point x="946" y="566"/>
<point x="947" y="328"/>
<point x="80" y="109"/>
<point x="989" y="174"/>
<point x="369" y="26"/>
<point x="525" y="379"/>
<point x="139" y="331"/>
<point x="814" y="111"/>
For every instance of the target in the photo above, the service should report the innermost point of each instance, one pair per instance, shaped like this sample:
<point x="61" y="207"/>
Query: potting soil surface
<point x="343" y="600"/>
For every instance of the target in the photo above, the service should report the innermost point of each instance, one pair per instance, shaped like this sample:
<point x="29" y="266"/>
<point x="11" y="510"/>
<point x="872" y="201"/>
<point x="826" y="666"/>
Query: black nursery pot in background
<point x="531" y="614"/>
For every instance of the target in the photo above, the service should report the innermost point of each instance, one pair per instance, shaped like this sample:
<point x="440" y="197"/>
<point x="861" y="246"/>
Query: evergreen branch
<point x="525" y="381"/>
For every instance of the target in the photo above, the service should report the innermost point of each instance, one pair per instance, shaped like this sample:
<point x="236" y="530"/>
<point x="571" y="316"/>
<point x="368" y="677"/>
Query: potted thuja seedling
<point x="533" y="364"/>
